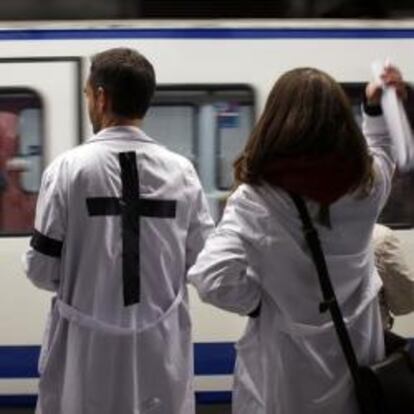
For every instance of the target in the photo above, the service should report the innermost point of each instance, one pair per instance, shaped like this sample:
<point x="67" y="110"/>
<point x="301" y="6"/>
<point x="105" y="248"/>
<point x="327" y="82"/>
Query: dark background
<point x="163" y="9"/>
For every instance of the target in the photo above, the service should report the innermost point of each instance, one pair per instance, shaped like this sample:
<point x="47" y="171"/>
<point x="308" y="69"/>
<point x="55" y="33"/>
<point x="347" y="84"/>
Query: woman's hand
<point x="390" y="77"/>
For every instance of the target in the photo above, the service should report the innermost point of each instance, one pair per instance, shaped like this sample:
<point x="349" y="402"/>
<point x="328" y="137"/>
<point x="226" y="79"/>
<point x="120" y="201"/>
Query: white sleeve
<point x="381" y="148"/>
<point x="201" y="223"/>
<point x="42" y="260"/>
<point x="221" y="273"/>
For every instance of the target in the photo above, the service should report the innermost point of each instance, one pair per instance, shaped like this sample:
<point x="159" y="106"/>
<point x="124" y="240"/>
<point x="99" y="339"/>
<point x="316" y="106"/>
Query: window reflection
<point x="20" y="159"/>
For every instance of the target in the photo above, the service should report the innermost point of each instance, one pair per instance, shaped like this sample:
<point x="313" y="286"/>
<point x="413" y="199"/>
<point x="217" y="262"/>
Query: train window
<point x="173" y="125"/>
<point x="30" y="133"/>
<point x="20" y="158"/>
<point x="234" y="123"/>
<point x="399" y="210"/>
<point x="208" y="124"/>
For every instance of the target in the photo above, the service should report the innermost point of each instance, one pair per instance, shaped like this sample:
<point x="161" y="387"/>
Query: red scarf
<point x="322" y="178"/>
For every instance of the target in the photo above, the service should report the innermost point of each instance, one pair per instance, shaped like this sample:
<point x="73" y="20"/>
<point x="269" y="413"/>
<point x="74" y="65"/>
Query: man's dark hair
<point x="127" y="77"/>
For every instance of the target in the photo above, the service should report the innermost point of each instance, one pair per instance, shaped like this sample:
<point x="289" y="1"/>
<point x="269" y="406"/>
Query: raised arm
<point x="375" y="128"/>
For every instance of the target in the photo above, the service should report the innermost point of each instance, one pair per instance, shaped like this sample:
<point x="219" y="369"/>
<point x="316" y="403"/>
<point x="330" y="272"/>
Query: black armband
<point x="46" y="245"/>
<point x="256" y="312"/>
<point x="371" y="110"/>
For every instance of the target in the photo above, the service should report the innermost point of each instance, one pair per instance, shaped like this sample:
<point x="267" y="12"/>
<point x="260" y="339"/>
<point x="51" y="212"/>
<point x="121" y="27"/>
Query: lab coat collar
<point x="121" y="133"/>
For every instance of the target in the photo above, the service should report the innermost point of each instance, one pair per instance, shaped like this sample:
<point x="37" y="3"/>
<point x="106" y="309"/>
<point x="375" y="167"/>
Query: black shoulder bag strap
<point x="329" y="298"/>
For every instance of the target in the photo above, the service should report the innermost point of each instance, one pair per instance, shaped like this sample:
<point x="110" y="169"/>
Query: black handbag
<point x="386" y="387"/>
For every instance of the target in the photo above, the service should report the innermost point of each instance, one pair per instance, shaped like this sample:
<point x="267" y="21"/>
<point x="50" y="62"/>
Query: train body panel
<point x="217" y="78"/>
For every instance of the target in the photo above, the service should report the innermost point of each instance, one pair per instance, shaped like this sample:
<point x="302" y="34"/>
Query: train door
<point x="39" y="118"/>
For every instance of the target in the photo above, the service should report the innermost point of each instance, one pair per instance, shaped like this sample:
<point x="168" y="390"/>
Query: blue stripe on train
<point x="205" y="397"/>
<point x="18" y="400"/>
<point x="209" y="359"/>
<point x="19" y="362"/>
<point x="208" y="33"/>
<point x="214" y="358"/>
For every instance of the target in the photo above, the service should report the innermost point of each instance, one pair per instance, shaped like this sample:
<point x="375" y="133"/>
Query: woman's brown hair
<point x="307" y="113"/>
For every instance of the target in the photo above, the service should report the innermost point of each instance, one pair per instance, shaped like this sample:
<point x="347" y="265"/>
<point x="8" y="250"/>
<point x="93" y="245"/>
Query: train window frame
<point x="205" y="142"/>
<point x="176" y="103"/>
<point x="196" y="94"/>
<point x="217" y="158"/>
<point x="355" y="93"/>
<point x="38" y="98"/>
<point x="79" y="103"/>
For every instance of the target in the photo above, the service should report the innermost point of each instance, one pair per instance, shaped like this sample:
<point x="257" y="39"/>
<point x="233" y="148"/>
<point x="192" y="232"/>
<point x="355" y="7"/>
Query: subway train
<point x="213" y="78"/>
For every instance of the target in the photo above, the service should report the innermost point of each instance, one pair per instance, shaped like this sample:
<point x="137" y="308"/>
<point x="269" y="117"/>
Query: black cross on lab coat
<point x="131" y="207"/>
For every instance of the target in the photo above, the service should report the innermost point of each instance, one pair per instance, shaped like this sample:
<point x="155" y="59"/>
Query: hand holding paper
<point x="389" y="96"/>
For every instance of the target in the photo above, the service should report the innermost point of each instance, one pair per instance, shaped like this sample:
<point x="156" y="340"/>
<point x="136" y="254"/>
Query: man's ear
<point x="102" y="99"/>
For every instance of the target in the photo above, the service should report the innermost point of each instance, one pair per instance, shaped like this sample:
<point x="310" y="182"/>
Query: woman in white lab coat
<point x="257" y="262"/>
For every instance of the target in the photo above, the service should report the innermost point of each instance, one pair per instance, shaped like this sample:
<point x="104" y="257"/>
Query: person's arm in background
<point x="42" y="260"/>
<point x="396" y="275"/>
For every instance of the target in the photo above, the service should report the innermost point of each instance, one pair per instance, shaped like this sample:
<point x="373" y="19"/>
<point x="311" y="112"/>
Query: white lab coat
<point x="289" y="360"/>
<point x="100" y="356"/>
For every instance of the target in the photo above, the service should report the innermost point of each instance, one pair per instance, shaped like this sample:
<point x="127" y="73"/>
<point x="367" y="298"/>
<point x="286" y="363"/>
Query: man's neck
<point x="114" y="121"/>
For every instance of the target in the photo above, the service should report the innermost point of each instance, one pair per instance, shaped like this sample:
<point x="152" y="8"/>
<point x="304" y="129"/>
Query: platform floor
<point x="205" y="409"/>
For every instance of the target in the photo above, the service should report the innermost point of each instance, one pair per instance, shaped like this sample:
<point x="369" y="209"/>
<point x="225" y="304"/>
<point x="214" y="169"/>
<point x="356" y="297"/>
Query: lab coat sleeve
<point x="201" y="223"/>
<point x="42" y="260"/>
<point x="221" y="273"/>
<point x="381" y="148"/>
<point x="397" y="277"/>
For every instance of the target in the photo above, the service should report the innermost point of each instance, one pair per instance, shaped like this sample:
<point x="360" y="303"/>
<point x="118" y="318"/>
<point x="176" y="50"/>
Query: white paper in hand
<point x="397" y="122"/>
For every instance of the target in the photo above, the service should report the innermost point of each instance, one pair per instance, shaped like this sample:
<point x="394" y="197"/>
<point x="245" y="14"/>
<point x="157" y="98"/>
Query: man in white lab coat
<point x="119" y="221"/>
